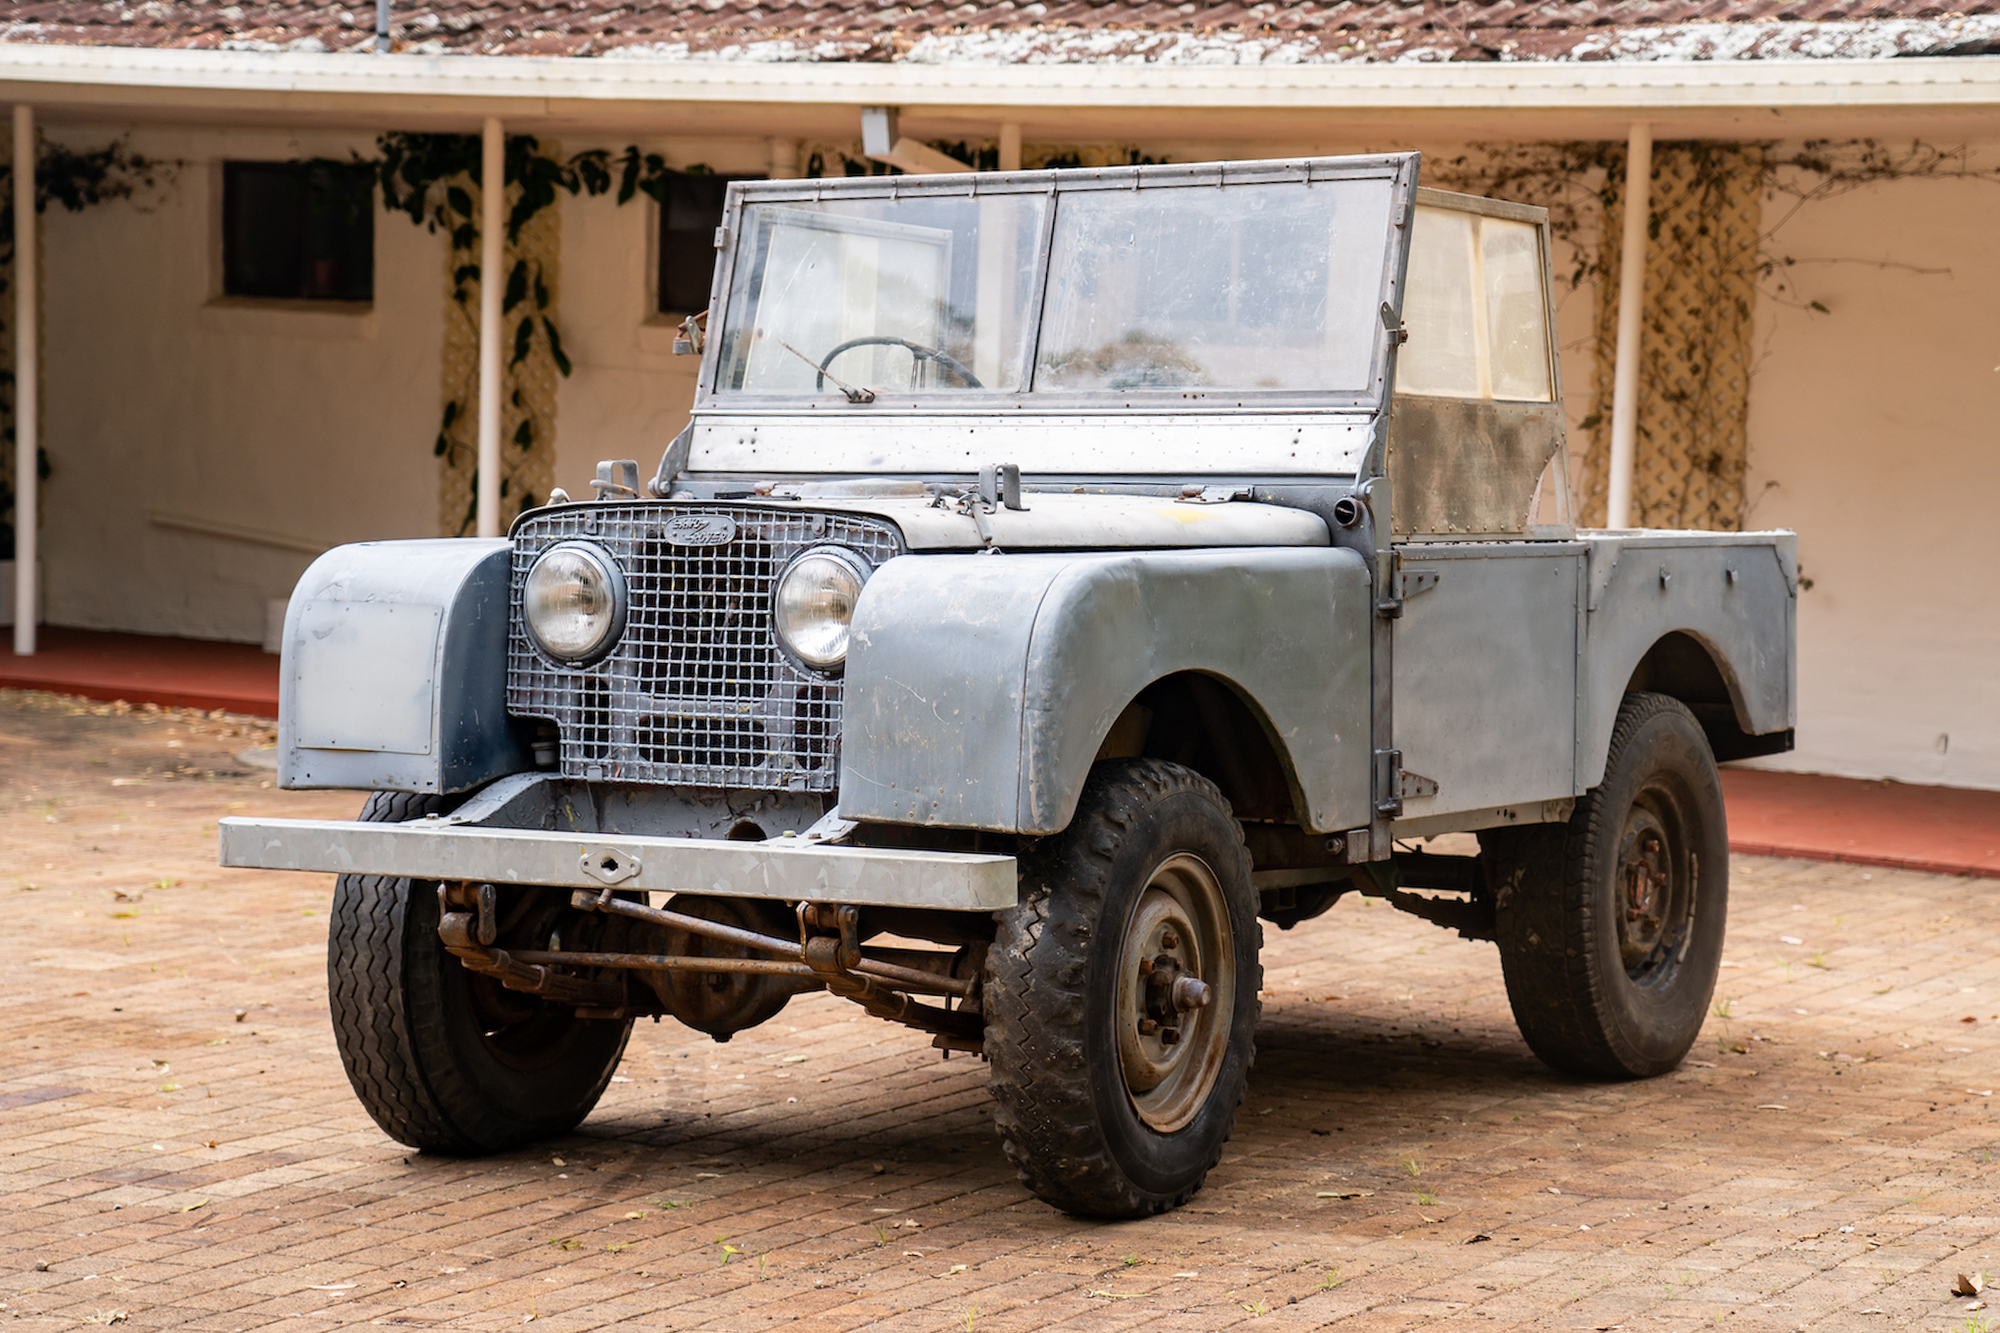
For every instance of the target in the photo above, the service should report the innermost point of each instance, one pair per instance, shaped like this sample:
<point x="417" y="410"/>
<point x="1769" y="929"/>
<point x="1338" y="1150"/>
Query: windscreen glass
<point x="923" y="293"/>
<point x="1248" y="287"/>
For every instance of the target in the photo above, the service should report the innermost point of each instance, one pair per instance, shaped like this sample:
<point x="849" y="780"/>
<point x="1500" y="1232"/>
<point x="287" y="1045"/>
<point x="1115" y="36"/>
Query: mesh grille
<point x="697" y="692"/>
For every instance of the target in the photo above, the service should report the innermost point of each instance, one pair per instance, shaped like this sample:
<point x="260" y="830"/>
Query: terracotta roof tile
<point x="1004" y="31"/>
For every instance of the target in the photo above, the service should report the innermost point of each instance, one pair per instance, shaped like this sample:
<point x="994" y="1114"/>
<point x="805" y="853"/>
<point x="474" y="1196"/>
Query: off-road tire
<point x="1066" y="1119"/>
<point x="414" y="1049"/>
<point x="1560" y="896"/>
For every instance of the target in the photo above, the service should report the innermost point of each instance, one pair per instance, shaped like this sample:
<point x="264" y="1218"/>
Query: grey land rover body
<point x="1066" y="569"/>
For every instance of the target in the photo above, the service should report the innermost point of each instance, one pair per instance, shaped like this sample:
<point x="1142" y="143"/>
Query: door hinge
<point x="1389" y="584"/>
<point x="1409" y="785"/>
<point x="1388" y="783"/>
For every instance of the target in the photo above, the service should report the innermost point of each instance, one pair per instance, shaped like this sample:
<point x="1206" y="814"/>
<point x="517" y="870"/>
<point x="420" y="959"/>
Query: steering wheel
<point x="917" y="350"/>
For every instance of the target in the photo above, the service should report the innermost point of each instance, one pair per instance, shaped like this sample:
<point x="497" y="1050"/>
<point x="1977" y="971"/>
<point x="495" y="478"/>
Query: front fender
<point x="979" y="688"/>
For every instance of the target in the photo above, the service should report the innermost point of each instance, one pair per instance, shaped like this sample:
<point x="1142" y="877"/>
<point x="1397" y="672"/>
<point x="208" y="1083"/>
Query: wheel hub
<point x="1176" y="969"/>
<point x="1648" y="895"/>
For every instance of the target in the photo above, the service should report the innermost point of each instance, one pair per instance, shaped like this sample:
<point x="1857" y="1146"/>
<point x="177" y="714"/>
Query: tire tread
<point x="1035" y="999"/>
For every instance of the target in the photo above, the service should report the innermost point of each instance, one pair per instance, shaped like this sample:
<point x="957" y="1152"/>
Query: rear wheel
<point x="1611" y="927"/>
<point x="1121" y="995"/>
<point x="443" y="1058"/>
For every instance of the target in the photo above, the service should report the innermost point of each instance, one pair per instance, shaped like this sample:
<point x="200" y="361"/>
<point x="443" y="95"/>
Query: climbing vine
<point x="1711" y="254"/>
<point x="435" y="180"/>
<point x="75" y="179"/>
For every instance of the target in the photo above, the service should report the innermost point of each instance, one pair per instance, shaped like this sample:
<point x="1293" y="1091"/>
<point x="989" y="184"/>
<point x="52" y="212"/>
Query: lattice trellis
<point x="1695" y="344"/>
<point x="533" y="264"/>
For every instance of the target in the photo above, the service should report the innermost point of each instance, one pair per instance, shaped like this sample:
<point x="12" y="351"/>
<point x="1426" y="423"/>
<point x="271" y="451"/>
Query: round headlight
<point x="813" y="605"/>
<point x="574" y="602"/>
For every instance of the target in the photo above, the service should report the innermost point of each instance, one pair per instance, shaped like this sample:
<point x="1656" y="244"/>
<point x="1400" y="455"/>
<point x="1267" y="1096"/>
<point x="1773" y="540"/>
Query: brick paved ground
<point x="182" y="1149"/>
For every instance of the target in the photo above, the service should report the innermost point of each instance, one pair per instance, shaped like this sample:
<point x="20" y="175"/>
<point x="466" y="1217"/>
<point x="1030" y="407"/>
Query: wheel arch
<point x="1209" y="723"/>
<point x="1686" y="665"/>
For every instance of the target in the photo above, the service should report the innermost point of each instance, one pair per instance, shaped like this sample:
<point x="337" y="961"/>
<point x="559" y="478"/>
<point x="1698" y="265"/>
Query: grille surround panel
<point x="697" y="692"/>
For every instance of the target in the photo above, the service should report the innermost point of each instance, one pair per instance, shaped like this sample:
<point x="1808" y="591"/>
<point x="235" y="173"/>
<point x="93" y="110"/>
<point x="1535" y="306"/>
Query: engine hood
<point x="1056" y="522"/>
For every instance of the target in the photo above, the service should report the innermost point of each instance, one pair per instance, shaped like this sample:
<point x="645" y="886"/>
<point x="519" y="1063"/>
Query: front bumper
<point x="778" y="868"/>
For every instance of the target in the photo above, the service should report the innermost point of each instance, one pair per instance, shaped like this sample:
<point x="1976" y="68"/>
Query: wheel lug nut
<point x="1169" y="940"/>
<point x="1145" y="967"/>
<point x="1170" y="1036"/>
<point x="1191" y="993"/>
<point x="1147" y="1027"/>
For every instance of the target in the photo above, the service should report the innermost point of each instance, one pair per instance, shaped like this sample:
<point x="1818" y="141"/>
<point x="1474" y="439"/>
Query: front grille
<point x="697" y="692"/>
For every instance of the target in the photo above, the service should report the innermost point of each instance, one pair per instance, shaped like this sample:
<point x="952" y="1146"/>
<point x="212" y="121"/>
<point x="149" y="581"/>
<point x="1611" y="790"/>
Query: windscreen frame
<point x="1398" y="169"/>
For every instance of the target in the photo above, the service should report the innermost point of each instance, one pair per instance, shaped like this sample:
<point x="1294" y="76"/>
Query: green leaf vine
<point x="422" y="177"/>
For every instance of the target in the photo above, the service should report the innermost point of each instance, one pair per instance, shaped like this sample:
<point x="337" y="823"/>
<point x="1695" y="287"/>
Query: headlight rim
<point x="614" y="577"/>
<point x="862" y="569"/>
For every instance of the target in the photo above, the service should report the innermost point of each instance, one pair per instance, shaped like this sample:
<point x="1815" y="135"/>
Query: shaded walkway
<point x="147" y="668"/>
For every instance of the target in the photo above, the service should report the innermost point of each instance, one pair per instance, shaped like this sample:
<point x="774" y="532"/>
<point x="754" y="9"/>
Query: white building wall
<point x="1875" y="434"/>
<point x="163" y="402"/>
<point x="628" y="395"/>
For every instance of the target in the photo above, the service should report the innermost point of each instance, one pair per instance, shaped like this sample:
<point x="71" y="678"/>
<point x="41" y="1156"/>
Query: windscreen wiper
<point x="854" y="393"/>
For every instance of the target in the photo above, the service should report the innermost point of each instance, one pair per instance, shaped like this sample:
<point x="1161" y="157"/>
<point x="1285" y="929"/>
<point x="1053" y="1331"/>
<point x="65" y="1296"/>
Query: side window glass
<point x="690" y="211"/>
<point x="1474" y="309"/>
<point x="298" y="231"/>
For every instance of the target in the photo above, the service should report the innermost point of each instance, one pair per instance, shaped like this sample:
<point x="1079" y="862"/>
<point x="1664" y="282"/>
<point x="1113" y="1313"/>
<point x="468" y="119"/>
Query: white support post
<point x="27" y="386"/>
<point x="1010" y="147"/>
<point x="1631" y="304"/>
<point x="784" y="158"/>
<point x="492" y="282"/>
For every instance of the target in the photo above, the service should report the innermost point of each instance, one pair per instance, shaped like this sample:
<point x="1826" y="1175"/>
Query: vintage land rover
<point x="1062" y="574"/>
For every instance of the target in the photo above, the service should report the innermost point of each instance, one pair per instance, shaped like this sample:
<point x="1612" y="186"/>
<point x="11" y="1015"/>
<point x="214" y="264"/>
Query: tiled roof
<point x="1044" y="31"/>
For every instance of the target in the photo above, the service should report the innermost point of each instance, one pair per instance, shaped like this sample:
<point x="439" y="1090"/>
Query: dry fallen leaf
<point x="198" y="1203"/>
<point x="633" y="1217"/>
<point x="1968" y="1286"/>
<point x="333" y="1286"/>
<point x="1345" y="1194"/>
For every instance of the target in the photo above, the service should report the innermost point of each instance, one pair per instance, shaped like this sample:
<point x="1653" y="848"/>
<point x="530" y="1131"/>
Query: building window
<point x="298" y="231"/>
<point x="690" y="211"/>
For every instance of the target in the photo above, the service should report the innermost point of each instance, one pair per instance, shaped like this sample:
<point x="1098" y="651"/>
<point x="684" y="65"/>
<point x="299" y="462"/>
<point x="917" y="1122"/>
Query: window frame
<point x="657" y="310"/>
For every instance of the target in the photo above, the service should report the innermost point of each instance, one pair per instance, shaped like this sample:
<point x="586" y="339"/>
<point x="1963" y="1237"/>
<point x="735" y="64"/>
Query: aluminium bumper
<point x="431" y="849"/>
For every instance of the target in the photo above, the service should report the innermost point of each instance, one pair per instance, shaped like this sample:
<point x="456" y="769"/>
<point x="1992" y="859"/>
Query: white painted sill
<point x="259" y="317"/>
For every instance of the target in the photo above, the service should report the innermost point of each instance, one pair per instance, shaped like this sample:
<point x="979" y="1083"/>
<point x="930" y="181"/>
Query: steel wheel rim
<point x="1178" y="931"/>
<point x="1653" y="887"/>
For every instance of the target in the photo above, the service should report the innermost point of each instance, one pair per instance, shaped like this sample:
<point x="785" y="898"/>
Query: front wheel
<point x="1121" y="995"/>
<point x="1610" y="927"/>
<point x="444" y="1058"/>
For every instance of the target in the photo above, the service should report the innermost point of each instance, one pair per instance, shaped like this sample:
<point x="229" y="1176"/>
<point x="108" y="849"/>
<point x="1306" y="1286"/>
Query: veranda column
<point x="1631" y="301"/>
<point x="27" y="385"/>
<point x="492" y="215"/>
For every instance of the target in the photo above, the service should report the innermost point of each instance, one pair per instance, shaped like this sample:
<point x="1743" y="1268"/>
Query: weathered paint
<point x="980" y="688"/>
<point x="394" y="674"/>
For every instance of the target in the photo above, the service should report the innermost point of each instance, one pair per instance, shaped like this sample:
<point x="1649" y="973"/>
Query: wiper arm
<point x="854" y="393"/>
